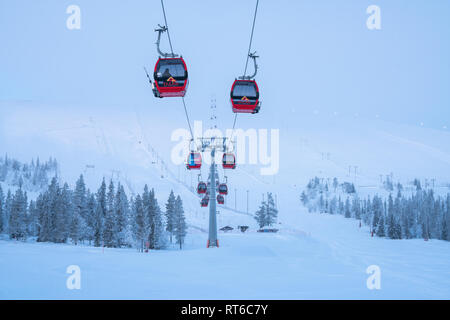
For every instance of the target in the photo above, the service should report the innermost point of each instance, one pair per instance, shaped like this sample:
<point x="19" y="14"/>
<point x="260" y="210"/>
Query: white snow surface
<point x="324" y="257"/>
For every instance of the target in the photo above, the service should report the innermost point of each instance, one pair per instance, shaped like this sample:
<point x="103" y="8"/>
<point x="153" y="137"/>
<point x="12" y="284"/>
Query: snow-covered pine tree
<point x="109" y="232"/>
<point x="76" y="227"/>
<point x="51" y="207"/>
<point x="2" y="206"/>
<point x="121" y="212"/>
<point x="391" y="226"/>
<point x="41" y="206"/>
<point x="156" y="235"/>
<point x="7" y="211"/>
<point x="347" y="212"/>
<point x="148" y="213"/>
<point x="444" y="232"/>
<point x="78" y="222"/>
<point x="271" y="212"/>
<point x="100" y="214"/>
<point x="340" y="206"/>
<point x="390" y="218"/>
<point x="397" y="229"/>
<point x="356" y="207"/>
<point x="18" y="216"/>
<point x="179" y="223"/>
<point x="377" y="212"/>
<point x="170" y="214"/>
<point x="260" y="215"/>
<point x="380" y="227"/>
<point x="333" y="205"/>
<point x="79" y="197"/>
<point x="139" y="222"/>
<point x="321" y="203"/>
<point x="32" y="219"/>
<point x="335" y="184"/>
<point x="63" y="214"/>
<point x="89" y="231"/>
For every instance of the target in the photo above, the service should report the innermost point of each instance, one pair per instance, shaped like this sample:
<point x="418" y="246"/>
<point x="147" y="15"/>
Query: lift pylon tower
<point x="212" y="144"/>
<point x="212" y="234"/>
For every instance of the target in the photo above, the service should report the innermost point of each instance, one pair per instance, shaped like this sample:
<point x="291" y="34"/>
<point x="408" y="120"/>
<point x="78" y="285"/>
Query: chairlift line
<point x="170" y="79"/>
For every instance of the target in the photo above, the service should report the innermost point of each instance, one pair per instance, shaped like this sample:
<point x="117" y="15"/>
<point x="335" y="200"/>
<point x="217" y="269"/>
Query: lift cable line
<point x="160" y="30"/>
<point x="251" y="37"/>
<point x="167" y="26"/>
<point x="188" y="121"/>
<point x="170" y="79"/>
<point x="171" y="49"/>
<point x="249" y="55"/>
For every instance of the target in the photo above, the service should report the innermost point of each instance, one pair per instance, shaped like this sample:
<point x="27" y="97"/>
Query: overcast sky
<point x="317" y="56"/>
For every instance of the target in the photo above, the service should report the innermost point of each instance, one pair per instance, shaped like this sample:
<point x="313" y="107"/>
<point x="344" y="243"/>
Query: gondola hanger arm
<point x="160" y="30"/>
<point x="253" y="56"/>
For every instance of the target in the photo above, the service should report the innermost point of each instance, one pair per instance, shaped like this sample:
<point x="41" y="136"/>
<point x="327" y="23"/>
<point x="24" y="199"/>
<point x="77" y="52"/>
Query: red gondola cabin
<point x="194" y="161"/>
<point x="245" y="96"/>
<point x="170" y="78"/>
<point x="220" y="199"/>
<point x="201" y="188"/>
<point x="228" y="161"/>
<point x="223" y="189"/>
<point x="205" y="201"/>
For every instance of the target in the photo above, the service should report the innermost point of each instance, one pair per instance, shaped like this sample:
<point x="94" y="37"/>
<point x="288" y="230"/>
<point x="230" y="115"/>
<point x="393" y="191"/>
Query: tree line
<point x="102" y="218"/>
<point x="423" y="214"/>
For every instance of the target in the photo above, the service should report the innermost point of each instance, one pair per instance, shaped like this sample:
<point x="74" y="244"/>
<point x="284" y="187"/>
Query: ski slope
<point x="324" y="257"/>
<point x="313" y="256"/>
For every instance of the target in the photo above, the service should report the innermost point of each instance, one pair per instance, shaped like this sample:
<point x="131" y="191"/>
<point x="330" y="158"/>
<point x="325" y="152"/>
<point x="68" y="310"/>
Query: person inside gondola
<point x="166" y="74"/>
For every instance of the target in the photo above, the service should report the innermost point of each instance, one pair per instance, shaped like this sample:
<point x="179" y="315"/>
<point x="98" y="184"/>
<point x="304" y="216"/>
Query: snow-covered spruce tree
<point x="18" y="216"/>
<point x="390" y="218"/>
<point x="157" y="235"/>
<point x="335" y="184"/>
<point x="347" y="209"/>
<point x="139" y="222"/>
<point x="41" y="206"/>
<point x="121" y="212"/>
<point x="79" y="215"/>
<point x="109" y="231"/>
<point x="321" y="203"/>
<point x="32" y="219"/>
<point x="7" y="212"/>
<point x="356" y="207"/>
<point x="2" y="210"/>
<point x="76" y="227"/>
<point x="63" y="214"/>
<point x="333" y="206"/>
<point x="148" y="213"/>
<point x="80" y="197"/>
<point x="100" y="214"/>
<point x="377" y="212"/>
<point x="260" y="215"/>
<point x="51" y="206"/>
<point x="444" y="232"/>
<point x="380" y="227"/>
<point x="179" y="222"/>
<point x="341" y="208"/>
<point x="89" y="231"/>
<point x="272" y="212"/>
<point x="170" y="214"/>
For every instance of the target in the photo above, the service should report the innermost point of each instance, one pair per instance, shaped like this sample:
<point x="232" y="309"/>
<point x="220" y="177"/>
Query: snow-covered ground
<point x="323" y="257"/>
